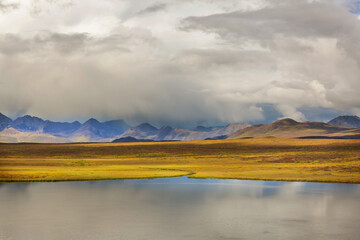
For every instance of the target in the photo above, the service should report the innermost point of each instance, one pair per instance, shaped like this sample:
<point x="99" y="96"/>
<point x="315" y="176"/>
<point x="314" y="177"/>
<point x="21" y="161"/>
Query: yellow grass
<point x="323" y="160"/>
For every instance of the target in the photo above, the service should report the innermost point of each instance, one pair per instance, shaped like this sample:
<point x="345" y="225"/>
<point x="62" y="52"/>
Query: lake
<point x="179" y="208"/>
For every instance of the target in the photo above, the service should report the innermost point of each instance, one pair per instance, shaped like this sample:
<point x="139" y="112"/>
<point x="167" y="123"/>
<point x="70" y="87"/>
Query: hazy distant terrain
<point x="34" y="129"/>
<point x="11" y="135"/>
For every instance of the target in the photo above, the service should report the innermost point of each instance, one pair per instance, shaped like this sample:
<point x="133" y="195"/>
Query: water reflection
<point x="179" y="208"/>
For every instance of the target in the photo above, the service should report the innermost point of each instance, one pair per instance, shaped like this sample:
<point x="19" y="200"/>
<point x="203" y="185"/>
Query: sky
<point x="180" y="62"/>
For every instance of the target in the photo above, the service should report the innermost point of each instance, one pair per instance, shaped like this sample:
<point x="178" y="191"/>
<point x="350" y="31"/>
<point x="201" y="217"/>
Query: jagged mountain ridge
<point x="29" y="128"/>
<point x="94" y="131"/>
<point x="28" y="123"/>
<point x="91" y="130"/>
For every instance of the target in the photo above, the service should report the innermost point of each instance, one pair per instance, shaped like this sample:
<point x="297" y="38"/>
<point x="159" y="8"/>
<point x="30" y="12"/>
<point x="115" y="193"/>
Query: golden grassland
<point x="315" y="160"/>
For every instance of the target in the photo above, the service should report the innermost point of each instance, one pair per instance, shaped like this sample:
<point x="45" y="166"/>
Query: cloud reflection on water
<point x="179" y="208"/>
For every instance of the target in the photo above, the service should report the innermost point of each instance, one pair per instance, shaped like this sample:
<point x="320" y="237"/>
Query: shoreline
<point x="290" y="160"/>
<point x="188" y="176"/>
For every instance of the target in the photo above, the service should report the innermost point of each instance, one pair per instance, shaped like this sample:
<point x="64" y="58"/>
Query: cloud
<point x="13" y="44"/>
<point x="153" y="8"/>
<point x="200" y="61"/>
<point x="312" y="47"/>
<point x="292" y="20"/>
<point x="7" y="7"/>
<point x="72" y="75"/>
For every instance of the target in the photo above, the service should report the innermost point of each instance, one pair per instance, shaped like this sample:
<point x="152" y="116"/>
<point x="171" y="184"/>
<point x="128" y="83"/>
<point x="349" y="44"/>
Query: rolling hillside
<point x="288" y="128"/>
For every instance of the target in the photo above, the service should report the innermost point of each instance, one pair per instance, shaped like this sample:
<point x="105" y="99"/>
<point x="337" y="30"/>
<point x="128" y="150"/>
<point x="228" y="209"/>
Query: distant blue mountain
<point x="28" y="123"/>
<point x="92" y="128"/>
<point x="114" y="128"/>
<point x="163" y="132"/>
<point x="4" y="121"/>
<point x="346" y="121"/>
<point x="142" y="131"/>
<point x="34" y="124"/>
<point x="94" y="131"/>
<point x="61" y="128"/>
<point x="109" y="129"/>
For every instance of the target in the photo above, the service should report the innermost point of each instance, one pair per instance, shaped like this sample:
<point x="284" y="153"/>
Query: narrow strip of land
<point x="313" y="160"/>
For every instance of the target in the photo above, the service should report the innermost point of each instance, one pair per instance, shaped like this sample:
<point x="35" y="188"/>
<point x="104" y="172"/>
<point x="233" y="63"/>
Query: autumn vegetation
<point x="315" y="160"/>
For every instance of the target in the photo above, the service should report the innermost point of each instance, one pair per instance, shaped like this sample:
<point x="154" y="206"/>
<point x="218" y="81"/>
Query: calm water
<point x="179" y="208"/>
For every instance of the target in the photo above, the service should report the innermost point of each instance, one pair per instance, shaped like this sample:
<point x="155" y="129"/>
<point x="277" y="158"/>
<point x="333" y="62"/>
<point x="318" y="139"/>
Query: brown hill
<point x="289" y="128"/>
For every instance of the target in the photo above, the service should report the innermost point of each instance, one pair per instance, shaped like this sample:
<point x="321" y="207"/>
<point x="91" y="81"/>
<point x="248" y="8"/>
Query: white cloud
<point x="178" y="62"/>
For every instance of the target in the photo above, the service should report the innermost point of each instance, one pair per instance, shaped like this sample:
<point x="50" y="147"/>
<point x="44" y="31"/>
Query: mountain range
<point x="34" y="129"/>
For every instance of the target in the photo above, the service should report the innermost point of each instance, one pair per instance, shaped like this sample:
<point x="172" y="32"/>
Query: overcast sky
<point x="180" y="62"/>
